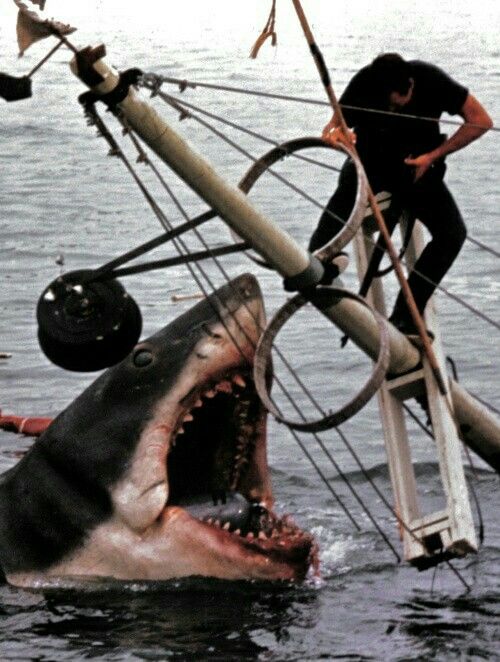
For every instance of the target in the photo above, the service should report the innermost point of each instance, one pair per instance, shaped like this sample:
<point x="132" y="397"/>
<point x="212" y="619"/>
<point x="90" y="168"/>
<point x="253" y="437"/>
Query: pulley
<point x="86" y="325"/>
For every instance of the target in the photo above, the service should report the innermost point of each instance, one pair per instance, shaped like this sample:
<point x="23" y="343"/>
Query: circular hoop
<point x="324" y="296"/>
<point x="337" y="243"/>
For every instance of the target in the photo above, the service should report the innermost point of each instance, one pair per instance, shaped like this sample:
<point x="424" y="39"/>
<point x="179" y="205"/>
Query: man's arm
<point x="477" y="122"/>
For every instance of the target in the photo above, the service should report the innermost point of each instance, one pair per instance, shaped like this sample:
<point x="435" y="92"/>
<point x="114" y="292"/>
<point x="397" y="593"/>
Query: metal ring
<point x="321" y="298"/>
<point x="337" y="243"/>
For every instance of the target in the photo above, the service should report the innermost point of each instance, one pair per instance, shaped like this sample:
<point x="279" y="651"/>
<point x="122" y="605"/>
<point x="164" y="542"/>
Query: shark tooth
<point x="239" y="381"/>
<point x="210" y="393"/>
<point x="226" y="526"/>
<point x="188" y="417"/>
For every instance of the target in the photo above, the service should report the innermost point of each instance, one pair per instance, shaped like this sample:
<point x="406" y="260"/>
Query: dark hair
<point x="391" y="73"/>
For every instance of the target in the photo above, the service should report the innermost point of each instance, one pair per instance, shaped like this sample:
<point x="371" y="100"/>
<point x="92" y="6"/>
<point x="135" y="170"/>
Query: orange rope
<point x="267" y="32"/>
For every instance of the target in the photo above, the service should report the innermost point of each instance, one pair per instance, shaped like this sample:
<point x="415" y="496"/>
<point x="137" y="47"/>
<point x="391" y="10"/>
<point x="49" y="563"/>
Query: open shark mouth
<point x="216" y="476"/>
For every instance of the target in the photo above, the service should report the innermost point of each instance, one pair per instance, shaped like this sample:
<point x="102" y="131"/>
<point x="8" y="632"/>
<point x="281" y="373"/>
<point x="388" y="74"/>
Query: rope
<point x="483" y="246"/>
<point x="45" y="59"/>
<point x="268" y="31"/>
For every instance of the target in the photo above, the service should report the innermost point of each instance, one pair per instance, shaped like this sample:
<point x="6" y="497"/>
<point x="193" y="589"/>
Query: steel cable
<point x="183" y="83"/>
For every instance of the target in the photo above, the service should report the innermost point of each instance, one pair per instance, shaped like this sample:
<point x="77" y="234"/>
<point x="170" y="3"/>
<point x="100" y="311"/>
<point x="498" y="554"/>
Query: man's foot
<point x="334" y="268"/>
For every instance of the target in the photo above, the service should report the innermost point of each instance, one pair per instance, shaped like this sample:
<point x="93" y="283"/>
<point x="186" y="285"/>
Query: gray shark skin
<point x="158" y="470"/>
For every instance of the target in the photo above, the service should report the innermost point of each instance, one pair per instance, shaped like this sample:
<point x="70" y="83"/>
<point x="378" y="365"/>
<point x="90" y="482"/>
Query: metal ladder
<point x="428" y="538"/>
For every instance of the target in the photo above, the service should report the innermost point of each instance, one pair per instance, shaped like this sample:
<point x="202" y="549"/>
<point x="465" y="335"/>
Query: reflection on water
<point x="203" y="619"/>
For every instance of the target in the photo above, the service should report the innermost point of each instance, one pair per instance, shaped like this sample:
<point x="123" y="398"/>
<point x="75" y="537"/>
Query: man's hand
<point x="477" y="122"/>
<point x="335" y="135"/>
<point x="421" y="164"/>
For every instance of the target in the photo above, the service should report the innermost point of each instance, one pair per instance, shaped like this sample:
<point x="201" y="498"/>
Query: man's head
<point x="392" y="75"/>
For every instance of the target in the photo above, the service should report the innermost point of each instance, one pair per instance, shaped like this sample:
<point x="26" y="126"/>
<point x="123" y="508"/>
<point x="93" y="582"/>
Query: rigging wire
<point x="483" y="246"/>
<point x="492" y="408"/>
<point x="183" y="83"/>
<point x="179" y="105"/>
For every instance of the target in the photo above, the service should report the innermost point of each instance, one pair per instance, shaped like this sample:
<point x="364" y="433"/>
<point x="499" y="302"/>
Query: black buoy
<point x="86" y="325"/>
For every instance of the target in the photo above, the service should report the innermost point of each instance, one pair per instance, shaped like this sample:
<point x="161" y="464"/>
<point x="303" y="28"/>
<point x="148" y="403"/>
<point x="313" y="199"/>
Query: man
<point x="405" y="155"/>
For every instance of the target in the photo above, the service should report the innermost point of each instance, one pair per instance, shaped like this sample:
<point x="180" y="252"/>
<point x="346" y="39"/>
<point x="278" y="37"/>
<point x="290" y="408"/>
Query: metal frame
<point x="448" y="532"/>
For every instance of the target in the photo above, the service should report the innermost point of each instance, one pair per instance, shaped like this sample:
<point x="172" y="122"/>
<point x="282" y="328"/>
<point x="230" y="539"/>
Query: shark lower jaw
<point x="279" y="552"/>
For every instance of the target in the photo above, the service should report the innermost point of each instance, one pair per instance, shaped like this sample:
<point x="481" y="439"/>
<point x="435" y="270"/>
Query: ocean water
<point x="61" y="195"/>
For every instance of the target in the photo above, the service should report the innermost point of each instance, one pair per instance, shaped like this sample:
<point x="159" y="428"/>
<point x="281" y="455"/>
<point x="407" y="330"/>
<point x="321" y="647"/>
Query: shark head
<point x="158" y="470"/>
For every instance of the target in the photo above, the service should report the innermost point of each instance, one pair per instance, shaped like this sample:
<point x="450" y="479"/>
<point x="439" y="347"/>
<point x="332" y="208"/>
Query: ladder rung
<point x="429" y="524"/>
<point x="407" y="386"/>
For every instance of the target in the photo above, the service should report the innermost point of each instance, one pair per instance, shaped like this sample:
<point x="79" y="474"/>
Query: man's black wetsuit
<point x="383" y="142"/>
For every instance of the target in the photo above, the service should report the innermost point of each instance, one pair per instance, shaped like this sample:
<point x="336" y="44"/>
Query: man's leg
<point x="338" y="209"/>
<point x="435" y="207"/>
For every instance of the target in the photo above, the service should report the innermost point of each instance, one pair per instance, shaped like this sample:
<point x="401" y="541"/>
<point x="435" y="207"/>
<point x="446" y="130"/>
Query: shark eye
<point x="142" y="358"/>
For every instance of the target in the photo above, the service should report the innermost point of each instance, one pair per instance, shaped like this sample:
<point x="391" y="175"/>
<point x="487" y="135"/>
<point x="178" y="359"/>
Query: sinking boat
<point x="402" y="370"/>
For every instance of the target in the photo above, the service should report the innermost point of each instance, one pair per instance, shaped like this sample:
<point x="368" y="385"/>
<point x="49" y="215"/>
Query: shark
<point x="159" y="469"/>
